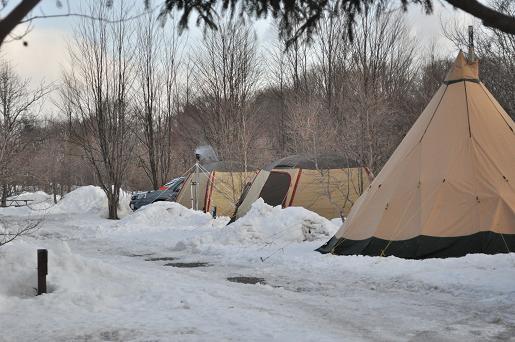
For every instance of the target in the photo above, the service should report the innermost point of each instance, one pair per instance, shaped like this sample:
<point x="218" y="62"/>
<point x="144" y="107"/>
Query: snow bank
<point x="168" y="215"/>
<point x="68" y="272"/>
<point x="89" y="199"/>
<point x="84" y="199"/>
<point x="266" y="225"/>
<point x="35" y="197"/>
<point x="18" y="265"/>
<point x="296" y="224"/>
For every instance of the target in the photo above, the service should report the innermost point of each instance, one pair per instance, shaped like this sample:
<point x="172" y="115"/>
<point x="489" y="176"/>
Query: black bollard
<point x="42" y="270"/>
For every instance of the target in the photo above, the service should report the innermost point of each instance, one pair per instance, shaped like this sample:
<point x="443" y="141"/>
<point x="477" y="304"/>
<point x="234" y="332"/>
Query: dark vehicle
<point x="167" y="192"/>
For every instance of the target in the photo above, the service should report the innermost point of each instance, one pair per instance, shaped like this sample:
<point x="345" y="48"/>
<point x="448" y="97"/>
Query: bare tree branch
<point x="9" y="231"/>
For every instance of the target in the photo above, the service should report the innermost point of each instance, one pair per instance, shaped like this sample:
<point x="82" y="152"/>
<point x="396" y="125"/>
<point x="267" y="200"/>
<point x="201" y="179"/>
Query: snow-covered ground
<point x="108" y="281"/>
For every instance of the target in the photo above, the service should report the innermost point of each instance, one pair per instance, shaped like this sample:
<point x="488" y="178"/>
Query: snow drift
<point x="88" y="199"/>
<point x="68" y="272"/>
<point x="168" y="216"/>
<point x="264" y="224"/>
<point x="84" y="199"/>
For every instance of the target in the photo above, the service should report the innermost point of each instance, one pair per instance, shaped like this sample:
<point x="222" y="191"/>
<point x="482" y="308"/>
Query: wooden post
<point x="42" y="270"/>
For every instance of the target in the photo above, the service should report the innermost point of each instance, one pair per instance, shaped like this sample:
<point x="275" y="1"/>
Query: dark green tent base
<point x="422" y="247"/>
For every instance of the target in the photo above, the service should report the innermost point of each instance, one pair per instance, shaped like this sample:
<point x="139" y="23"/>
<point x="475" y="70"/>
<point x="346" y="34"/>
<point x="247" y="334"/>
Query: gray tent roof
<point x="228" y="166"/>
<point x="326" y="161"/>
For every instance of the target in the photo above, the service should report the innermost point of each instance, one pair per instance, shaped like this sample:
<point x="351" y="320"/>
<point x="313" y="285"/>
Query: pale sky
<point x="45" y="54"/>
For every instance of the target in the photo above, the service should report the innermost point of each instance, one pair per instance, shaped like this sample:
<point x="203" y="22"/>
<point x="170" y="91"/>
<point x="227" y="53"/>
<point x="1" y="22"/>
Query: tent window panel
<point x="276" y="188"/>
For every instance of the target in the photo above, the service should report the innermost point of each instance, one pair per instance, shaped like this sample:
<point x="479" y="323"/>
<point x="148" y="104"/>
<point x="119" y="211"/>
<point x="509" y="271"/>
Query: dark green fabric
<point x="422" y="247"/>
<point x="473" y="80"/>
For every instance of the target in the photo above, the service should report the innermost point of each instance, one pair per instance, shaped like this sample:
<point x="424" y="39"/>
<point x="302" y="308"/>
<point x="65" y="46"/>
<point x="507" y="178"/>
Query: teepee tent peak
<point x="462" y="69"/>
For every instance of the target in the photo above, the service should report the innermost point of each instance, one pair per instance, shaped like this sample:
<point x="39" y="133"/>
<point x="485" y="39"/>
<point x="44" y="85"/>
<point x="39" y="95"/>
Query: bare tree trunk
<point x="54" y="191"/>
<point x="112" y="200"/>
<point x="95" y="97"/>
<point x="5" y="190"/>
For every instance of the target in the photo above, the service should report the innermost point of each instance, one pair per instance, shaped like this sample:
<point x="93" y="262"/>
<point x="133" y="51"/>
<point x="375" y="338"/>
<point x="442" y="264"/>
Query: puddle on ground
<point x="161" y="259"/>
<point x="187" y="264"/>
<point x="247" y="280"/>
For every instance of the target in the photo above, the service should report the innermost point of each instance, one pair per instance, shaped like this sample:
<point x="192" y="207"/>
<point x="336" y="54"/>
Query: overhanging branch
<point x="488" y="16"/>
<point x="8" y="23"/>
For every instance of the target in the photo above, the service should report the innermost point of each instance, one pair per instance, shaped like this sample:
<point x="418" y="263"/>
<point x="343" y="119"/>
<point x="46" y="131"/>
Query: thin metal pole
<point x="191" y="193"/>
<point x="197" y="170"/>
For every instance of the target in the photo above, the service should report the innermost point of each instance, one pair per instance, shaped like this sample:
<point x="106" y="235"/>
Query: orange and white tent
<point x="449" y="187"/>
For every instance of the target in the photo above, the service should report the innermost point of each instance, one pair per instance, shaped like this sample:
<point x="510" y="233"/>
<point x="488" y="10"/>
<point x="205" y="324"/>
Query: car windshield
<point x="173" y="182"/>
<point x="176" y="184"/>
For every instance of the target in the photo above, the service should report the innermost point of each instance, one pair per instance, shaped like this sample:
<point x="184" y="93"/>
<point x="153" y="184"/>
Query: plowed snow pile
<point x="264" y="224"/>
<point x="85" y="199"/>
<point x="70" y="273"/>
<point x="168" y="216"/>
<point x="88" y="199"/>
<point x="296" y="224"/>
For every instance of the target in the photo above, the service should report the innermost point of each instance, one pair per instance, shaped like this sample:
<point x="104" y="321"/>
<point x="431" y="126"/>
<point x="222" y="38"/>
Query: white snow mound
<point x="85" y="199"/>
<point x="68" y="272"/>
<point x="264" y="224"/>
<point x="167" y="215"/>
<point x="267" y="223"/>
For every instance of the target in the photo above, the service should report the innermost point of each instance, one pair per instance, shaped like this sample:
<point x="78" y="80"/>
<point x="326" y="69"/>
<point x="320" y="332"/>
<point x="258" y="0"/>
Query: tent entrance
<point x="276" y="188"/>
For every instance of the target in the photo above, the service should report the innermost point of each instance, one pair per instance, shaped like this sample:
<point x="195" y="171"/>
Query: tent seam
<point x="434" y="112"/>
<point x="497" y="110"/>
<point x="473" y="156"/>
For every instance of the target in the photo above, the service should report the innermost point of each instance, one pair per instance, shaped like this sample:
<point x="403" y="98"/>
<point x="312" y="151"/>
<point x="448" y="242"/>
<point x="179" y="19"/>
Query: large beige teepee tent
<point x="449" y="188"/>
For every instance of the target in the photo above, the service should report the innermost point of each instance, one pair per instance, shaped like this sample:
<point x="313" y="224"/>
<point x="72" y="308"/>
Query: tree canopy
<point x="295" y="17"/>
<point x="300" y="17"/>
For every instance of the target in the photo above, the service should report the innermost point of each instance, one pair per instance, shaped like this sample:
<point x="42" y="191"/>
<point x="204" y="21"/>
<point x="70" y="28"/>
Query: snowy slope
<point x="109" y="282"/>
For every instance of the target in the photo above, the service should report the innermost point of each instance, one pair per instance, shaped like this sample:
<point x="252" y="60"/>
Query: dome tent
<point x="217" y="184"/>
<point x="449" y="187"/>
<point x="327" y="184"/>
